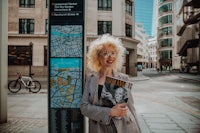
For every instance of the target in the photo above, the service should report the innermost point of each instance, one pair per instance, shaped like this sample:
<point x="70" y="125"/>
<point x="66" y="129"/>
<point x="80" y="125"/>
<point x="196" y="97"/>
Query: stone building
<point x="189" y="32"/>
<point x="116" y="18"/>
<point x="28" y="32"/>
<point x="27" y="24"/>
<point x="152" y="48"/>
<point x="142" y="51"/>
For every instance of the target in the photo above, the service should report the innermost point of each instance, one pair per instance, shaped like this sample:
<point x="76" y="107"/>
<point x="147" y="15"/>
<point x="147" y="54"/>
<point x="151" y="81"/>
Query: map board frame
<point x="66" y="65"/>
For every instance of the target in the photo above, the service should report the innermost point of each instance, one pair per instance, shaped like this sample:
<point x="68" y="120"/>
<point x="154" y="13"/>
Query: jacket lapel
<point x="94" y="89"/>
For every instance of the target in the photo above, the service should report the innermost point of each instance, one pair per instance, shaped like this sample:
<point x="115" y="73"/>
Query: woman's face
<point x="107" y="56"/>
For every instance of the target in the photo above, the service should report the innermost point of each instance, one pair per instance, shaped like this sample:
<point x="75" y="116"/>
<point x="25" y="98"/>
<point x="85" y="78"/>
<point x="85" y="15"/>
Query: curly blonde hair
<point x="97" y="45"/>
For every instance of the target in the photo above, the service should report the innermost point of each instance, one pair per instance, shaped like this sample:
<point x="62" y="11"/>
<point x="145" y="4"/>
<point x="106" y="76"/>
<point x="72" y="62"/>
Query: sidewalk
<point x="24" y="117"/>
<point x="27" y="112"/>
<point x="139" y="77"/>
<point x="186" y="76"/>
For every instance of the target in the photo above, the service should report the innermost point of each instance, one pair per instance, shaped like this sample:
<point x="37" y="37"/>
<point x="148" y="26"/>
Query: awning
<point x="188" y="44"/>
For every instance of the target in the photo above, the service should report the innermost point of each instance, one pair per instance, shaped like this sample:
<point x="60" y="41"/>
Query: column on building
<point x="3" y="59"/>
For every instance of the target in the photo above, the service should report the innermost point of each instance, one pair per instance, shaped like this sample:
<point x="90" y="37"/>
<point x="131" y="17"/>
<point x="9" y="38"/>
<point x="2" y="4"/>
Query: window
<point x="46" y="26"/>
<point x="165" y="31"/>
<point x="161" y="1"/>
<point x="105" y="5"/>
<point x="45" y="55"/>
<point x="47" y="3"/>
<point x="104" y="27"/>
<point x="26" y="26"/>
<point x="19" y="55"/>
<point x="128" y="7"/>
<point x="165" y="8"/>
<point x="166" y="42"/>
<point x="128" y="30"/>
<point x="167" y="54"/>
<point x="27" y="3"/>
<point x="165" y="20"/>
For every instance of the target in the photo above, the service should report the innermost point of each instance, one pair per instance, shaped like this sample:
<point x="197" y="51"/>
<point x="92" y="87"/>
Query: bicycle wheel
<point x="35" y="86"/>
<point x="14" y="86"/>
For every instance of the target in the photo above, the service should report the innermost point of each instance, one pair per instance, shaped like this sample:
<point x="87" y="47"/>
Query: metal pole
<point x="199" y="50"/>
<point x="30" y="60"/>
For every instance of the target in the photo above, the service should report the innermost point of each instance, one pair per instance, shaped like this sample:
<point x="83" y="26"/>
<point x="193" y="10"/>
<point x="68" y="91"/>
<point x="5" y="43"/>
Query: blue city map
<point x="65" y="82"/>
<point x="66" y="41"/>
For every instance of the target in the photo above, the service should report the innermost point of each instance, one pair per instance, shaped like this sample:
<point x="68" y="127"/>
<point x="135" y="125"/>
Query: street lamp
<point x="30" y="60"/>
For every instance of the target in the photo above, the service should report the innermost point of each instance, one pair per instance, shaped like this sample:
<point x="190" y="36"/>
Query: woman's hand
<point x="119" y="110"/>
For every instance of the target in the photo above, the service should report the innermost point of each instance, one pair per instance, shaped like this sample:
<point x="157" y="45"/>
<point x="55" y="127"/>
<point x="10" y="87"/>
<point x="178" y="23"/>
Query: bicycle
<point x="15" y="85"/>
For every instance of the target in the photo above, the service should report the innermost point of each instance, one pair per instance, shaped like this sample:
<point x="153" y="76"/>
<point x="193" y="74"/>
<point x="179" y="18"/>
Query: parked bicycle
<point x="28" y="82"/>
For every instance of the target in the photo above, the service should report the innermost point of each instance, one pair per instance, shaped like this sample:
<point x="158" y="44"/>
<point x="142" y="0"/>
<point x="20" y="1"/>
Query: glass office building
<point x="144" y="13"/>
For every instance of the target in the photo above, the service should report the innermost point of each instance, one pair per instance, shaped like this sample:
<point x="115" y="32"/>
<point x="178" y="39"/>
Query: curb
<point x="139" y="79"/>
<point x="191" y="79"/>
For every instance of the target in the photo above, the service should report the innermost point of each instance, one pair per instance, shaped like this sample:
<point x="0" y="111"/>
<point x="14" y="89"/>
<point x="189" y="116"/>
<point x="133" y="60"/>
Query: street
<point x="167" y="104"/>
<point x="164" y="102"/>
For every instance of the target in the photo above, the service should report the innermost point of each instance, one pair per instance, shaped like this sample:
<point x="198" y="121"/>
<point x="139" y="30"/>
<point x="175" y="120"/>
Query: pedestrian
<point x="161" y="68"/>
<point x="105" y="58"/>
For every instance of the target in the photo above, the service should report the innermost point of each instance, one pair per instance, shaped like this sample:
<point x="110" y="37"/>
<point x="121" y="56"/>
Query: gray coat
<point x="99" y="119"/>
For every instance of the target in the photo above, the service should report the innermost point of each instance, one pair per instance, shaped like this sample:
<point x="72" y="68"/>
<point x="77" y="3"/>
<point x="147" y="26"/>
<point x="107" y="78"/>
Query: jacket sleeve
<point x="97" y="113"/>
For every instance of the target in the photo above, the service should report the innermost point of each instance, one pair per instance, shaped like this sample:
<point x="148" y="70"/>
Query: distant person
<point x="157" y="69"/>
<point x="105" y="57"/>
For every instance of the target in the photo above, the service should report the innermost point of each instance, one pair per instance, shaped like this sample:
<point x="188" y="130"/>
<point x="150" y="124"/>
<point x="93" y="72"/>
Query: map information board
<point x="66" y="41"/>
<point x="65" y="82"/>
<point x="66" y="65"/>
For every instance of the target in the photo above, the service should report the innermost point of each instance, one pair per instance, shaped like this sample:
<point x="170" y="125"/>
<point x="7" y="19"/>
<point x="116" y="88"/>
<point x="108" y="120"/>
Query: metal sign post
<point x="66" y="59"/>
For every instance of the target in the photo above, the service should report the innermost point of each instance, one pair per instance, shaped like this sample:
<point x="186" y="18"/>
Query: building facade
<point x="168" y="58"/>
<point x="117" y="19"/>
<point x="28" y="32"/>
<point x="144" y="13"/>
<point x="189" y="32"/>
<point x="27" y="37"/>
<point x="142" y="50"/>
<point x="152" y="50"/>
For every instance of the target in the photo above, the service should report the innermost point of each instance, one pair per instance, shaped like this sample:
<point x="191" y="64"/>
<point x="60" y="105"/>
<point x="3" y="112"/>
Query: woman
<point x="105" y="57"/>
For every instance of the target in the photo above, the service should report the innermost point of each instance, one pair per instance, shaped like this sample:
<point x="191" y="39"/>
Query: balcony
<point x="163" y="1"/>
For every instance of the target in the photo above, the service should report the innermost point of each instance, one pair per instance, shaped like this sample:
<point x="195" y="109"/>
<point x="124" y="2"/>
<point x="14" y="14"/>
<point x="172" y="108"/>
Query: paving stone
<point x="158" y="120"/>
<point x="163" y="126"/>
<point x="193" y="130"/>
<point x="182" y="119"/>
<point x="168" y="131"/>
<point x="192" y="126"/>
<point x="154" y="115"/>
<point x="22" y="125"/>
